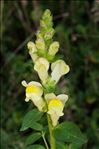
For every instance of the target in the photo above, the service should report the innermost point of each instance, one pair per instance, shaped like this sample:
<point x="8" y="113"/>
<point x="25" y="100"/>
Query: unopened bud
<point x="53" y="49"/>
<point x="48" y="35"/>
<point x="31" y="46"/>
<point x="40" y="44"/>
<point x="47" y="13"/>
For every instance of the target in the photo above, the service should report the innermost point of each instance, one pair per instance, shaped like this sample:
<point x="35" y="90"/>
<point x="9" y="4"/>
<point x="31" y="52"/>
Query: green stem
<point x="52" y="140"/>
<point x="43" y="136"/>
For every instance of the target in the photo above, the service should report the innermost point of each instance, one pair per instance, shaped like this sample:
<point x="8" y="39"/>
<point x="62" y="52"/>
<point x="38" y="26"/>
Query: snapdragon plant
<point x="43" y="120"/>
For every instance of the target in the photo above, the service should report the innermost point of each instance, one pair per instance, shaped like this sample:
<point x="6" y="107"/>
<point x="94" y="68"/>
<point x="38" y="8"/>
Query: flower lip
<point x="34" y="93"/>
<point x="55" y="110"/>
<point x="55" y="103"/>
<point x="32" y="89"/>
<point x="35" y="83"/>
<point x="55" y="106"/>
<point x="42" y="61"/>
<point x="62" y="97"/>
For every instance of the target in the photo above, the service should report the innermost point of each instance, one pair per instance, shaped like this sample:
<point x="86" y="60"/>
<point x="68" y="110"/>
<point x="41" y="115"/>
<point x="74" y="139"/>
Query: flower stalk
<point x="52" y="139"/>
<point x="43" y="136"/>
<point x="43" y="53"/>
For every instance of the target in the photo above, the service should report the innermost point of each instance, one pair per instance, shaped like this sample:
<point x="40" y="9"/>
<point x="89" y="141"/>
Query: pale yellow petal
<point x="31" y="46"/>
<point x="63" y="98"/>
<point x="55" y="106"/>
<point x="38" y="102"/>
<point x="53" y="49"/>
<point x="42" y="66"/>
<point x="54" y="119"/>
<point x="32" y="51"/>
<point x="56" y="74"/>
<point x="34" y="87"/>
<point x="50" y="96"/>
<point x="59" y="68"/>
<point x="27" y="99"/>
<point x="40" y="43"/>
<point x="41" y="62"/>
<point x="34" y="56"/>
<point x="35" y="83"/>
<point x="43" y="74"/>
<point x="24" y="83"/>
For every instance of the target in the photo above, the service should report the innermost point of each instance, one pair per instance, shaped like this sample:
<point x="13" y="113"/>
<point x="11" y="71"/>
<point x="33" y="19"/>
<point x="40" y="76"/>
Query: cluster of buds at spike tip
<point x="43" y="53"/>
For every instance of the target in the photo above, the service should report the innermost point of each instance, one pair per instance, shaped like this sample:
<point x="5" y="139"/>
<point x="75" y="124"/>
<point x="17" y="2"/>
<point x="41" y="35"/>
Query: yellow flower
<point x="59" y="68"/>
<point x="42" y="66"/>
<point x="32" y="50"/>
<point x="55" y="106"/>
<point x="34" y="92"/>
<point x="53" y="49"/>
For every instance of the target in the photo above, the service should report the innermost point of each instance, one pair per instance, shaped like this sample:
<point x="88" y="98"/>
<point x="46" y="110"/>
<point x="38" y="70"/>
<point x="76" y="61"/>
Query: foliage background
<point x="76" y="23"/>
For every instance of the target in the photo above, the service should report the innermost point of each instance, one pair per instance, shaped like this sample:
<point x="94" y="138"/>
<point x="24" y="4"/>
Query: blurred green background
<point x="77" y="29"/>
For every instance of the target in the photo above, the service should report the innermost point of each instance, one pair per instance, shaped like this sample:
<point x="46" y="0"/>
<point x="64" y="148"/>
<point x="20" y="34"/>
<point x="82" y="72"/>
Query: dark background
<point x="76" y="23"/>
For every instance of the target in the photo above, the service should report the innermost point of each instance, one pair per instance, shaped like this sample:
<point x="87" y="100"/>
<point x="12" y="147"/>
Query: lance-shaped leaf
<point x="30" y="119"/>
<point x="33" y="138"/>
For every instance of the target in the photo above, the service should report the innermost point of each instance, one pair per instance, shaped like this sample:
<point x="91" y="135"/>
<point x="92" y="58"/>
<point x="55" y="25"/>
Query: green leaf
<point x="37" y="126"/>
<point x="61" y="145"/>
<point x="35" y="147"/>
<point x="33" y="138"/>
<point x="73" y="146"/>
<point x="69" y="132"/>
<point x="30" y="118"/>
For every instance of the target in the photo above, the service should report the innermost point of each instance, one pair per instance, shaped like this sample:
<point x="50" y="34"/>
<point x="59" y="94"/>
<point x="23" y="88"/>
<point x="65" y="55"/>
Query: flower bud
<point x="49" y="34"/>
<point x="53" y="49"/>
<point x="32" y="50"/>
<point x="31" y="46"/>
<point x="46" y="14"/>
<point x="40" y="43"/>
<point x="43" y="25"/>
